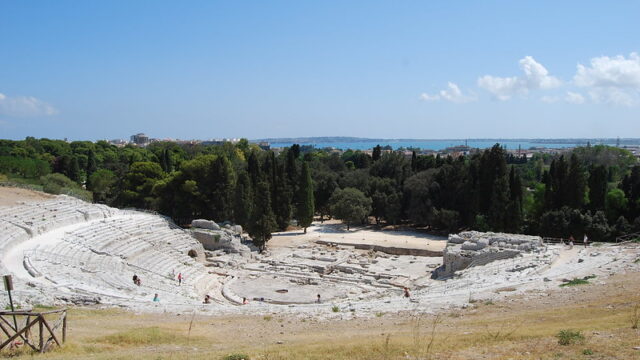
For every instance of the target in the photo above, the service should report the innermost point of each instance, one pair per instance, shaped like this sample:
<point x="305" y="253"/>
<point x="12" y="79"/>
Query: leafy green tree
<point x="325" y="183"/>
<point x="621" y="227"/>
<point x="448" y="219"/>
<point x="306" y="207"/>
<point x="420" y="191"/>
<point x="103" y="183"/>
<point x="599" y="229"/>
<point x="350" y="205"/>
<point x="631" y="187"/>
<point x="616" y="204"/>
<point x="138" y="185"/>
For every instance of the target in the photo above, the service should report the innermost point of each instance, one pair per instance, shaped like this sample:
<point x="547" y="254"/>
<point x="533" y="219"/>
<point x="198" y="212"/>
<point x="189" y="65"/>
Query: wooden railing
<point x="16" y="335"/>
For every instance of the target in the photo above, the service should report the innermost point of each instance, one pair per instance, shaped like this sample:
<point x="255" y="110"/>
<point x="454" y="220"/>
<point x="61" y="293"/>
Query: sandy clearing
<point x="334" y="231"/>
<point x="10" y="196"/>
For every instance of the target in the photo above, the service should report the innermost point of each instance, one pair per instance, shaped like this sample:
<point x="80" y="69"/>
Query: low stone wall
<point x="392" y="250"/>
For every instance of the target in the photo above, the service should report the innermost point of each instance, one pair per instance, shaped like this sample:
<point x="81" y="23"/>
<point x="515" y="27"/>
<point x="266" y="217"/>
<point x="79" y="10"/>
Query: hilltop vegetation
<point x="592" y="190"/>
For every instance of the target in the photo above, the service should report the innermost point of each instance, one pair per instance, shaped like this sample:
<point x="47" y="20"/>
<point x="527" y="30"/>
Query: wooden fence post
<point x="64" y="327"/>
<point x="41" y="332"/>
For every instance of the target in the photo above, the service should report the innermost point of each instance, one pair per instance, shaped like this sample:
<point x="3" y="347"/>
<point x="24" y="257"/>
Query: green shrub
<point x="569" y="337"/>
<point x="236" y="357"/>
<point x="335" y="308"/>
<point x="59" y="184"/>
<point x="587" y="352"/>
<point x="575" y="282"/>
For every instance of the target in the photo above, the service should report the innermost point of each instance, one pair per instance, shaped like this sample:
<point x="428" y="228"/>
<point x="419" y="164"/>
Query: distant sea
<point x="433" y="144"/>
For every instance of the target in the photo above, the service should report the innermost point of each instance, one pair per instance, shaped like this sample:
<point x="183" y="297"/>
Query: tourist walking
<point x="585" y="240"/>
<point x="318" y="301"/>
<point x="179" y="278"/>
<point x="406" y="292"/>
<point x="156" y="298"/>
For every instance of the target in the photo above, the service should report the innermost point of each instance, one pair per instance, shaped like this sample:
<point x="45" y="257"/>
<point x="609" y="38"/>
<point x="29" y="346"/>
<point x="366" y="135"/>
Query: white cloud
<point x="614" y="80"/>
<point x="610" y="72"/>
<point x="24" y="106"/>
<point x="452" y="93"/>
<point x="574" y="98"/>
<point x="535" y="76"/>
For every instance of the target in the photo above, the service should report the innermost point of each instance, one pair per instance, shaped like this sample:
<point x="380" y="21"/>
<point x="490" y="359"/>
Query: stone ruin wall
<point x="472" y="248"/>
<point x="213" y="237"/>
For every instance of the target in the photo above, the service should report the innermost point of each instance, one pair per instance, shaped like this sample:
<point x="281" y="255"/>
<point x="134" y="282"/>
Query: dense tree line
<point x="591" y="190"/>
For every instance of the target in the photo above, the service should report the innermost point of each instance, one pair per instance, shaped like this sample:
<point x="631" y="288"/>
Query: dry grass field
<point x="520" y="327"/>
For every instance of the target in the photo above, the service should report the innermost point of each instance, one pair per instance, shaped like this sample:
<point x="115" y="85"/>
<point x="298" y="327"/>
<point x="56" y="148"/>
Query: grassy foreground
<point x="592" y="321"/>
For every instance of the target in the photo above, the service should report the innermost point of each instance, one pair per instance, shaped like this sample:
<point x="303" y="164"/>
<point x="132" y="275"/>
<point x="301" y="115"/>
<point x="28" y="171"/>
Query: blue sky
<point x="391" y="69"/>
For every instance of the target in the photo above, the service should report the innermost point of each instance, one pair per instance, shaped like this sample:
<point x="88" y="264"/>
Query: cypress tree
<point x="253" y="168"/>
<point x="377" y="152"/>
<point x="576" y="184"/>
<point x="514" y="210"/>
<point x="597" y="187"/>
<point x="262" y="219"/>
<point x="414" y="161"/>
<point x="223" y="183"/>
<point x="306" y="207"/>
<point x="243" y="200"/>
<point x="74" y="169"/>
<point x="92" y="165"/>
<point x="166" y="161"/>
<point x="281" y="196"/>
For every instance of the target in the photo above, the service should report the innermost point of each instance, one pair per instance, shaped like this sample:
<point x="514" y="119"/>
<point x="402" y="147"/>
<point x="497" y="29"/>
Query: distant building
<point x="118" y="142"/>
<point x="264" y="145"/>
<point x="140" y="139"/>
<point x="458" y="150"/>
<point x="220" y="141"/>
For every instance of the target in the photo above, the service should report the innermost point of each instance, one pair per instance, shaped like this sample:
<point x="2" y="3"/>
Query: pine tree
<point x="306" y="201"/>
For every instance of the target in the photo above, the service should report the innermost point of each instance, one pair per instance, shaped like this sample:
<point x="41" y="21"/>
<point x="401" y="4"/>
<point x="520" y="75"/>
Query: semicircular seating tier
<point x="69" y="246"/>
